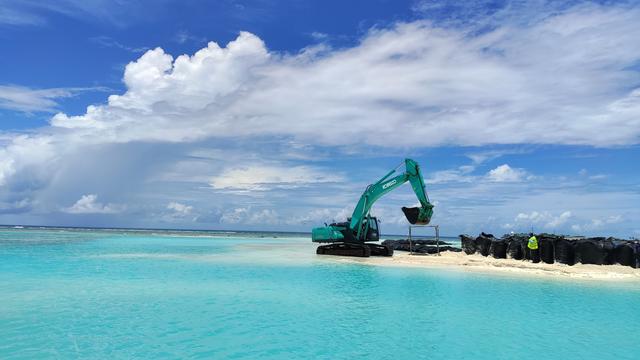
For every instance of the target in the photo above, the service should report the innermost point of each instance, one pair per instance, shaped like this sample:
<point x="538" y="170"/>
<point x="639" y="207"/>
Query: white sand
<point x="477" y="263"/>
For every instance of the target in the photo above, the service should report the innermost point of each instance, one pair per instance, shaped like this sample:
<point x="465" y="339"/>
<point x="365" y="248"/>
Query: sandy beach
<point x="478" y="263"/>
<point x="302" y="252"/>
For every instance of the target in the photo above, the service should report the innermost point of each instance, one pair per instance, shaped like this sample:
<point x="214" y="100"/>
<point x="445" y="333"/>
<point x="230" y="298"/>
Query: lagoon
<point x="120" y="294"/>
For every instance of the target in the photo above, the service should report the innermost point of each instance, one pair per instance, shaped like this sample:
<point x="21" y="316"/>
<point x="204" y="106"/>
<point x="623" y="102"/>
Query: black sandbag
<point x="427" y="242"/>
<point x="419" y="246"/>
<point x="514" y="247"/>
<point x="526" y="252"/>
<point x="483" y="243"/>
<point x="516" y="244"/>
<point x="396" y="245"/>
<point x="388" y="243"/>
<point x="498" y="248"/>
<point x="403" y="245"/>
<point x="625" y="253"/>
<point x="430" y="249"/>
<point x="468" y="244"/>
<point x="545" y="245"/>
<point x="609" y="251"/>
<point x="564" y="252"/>
<point x="590" y="251"/>
<point x="535" y="255"/>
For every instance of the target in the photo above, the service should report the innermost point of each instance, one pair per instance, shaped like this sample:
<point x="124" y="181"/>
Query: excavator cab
<point x="373" y="232"/>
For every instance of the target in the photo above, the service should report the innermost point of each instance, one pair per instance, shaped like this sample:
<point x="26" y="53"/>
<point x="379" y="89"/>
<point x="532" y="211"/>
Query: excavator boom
<point x="351" y="236"/>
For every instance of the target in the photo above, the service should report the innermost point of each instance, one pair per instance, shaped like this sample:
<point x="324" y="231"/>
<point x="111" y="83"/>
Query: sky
<point x="276" y="115"/>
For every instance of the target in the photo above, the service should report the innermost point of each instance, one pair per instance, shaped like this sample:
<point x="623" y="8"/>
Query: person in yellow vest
<point x="532" y="244"/>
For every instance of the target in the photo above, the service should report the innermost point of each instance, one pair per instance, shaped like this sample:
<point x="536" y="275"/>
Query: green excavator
<point x="351" y="238"/>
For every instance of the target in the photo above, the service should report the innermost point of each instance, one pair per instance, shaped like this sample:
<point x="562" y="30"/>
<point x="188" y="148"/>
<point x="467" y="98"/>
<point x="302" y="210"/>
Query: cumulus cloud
<point x="263" y="178"/>
<point x="88" y="204"/>
<point x="505" y="173"/>
<point x="560" y="80"/>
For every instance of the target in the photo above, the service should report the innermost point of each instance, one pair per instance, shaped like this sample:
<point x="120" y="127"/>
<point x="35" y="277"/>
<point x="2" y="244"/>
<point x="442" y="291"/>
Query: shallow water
<point x="99" y="294"/>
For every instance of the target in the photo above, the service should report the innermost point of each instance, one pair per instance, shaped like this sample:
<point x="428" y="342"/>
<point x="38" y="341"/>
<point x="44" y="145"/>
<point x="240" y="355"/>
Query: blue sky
<point x="276" y="115"/>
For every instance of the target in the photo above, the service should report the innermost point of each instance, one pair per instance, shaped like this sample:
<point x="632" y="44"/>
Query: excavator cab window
<point x="373" y="233"/>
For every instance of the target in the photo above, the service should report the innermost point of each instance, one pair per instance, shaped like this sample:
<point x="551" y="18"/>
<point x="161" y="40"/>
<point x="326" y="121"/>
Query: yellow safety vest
<point x="533" y="243"/>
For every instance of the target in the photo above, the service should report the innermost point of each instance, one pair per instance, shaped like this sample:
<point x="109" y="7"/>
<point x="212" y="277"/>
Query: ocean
<point x="122" y="294"/>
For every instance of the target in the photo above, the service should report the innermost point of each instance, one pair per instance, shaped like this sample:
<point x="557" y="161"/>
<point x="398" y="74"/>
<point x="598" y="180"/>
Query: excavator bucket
<point x="417" y="215"/>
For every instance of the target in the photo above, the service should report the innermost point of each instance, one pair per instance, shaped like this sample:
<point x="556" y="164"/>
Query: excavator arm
<point x="417" y="215"/>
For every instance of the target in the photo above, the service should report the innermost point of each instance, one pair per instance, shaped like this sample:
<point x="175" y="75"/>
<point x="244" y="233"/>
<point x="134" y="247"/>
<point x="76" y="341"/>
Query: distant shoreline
<point x="229" y="231"/>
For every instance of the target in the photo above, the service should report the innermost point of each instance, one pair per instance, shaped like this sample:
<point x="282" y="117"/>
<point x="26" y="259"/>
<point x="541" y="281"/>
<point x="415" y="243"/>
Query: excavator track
<point x="380" y="250"/>
<point x="358" y="250"/>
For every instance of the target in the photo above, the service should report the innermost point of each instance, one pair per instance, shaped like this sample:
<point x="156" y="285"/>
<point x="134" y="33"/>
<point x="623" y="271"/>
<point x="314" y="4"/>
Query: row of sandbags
<point x="555" y="248"/>
<point x="420" y="246"/>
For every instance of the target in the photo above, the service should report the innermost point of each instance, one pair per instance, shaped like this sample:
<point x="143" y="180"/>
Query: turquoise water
<point x="121" y="295"/>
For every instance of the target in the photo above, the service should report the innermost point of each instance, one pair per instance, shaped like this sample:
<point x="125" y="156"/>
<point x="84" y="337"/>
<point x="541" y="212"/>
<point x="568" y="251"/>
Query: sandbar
<point x="479" y="263"/>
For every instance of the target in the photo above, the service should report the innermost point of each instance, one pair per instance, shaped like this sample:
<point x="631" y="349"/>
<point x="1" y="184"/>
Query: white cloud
<point x="319" y="36"/>
<point x="11" y="16"/>
<point x="598" y="177"/>
<point x="20" y="98"/>
<point x="264" y="216"/>
<point x="449" y="176"/>
<point x="183" y="36"/>
<point x="88" y="204"/>
<point x="505" y="173"/>
<point x="33" y="12"/>
<point x="6" y="168"/>
<point x="107" y="41"/>
<point x="235" y="216"/>
<point x="558" y="81"/>
<point x="598" y="223"/>
<point x="585" y="173"/>
<point x="251" y="216"/>
<point x="560" y="220"/>
<point x="180" y="209"/>
<point x="263" y="178"/>
<point x="546" y="219"/>
<point x="480" y="157"/>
